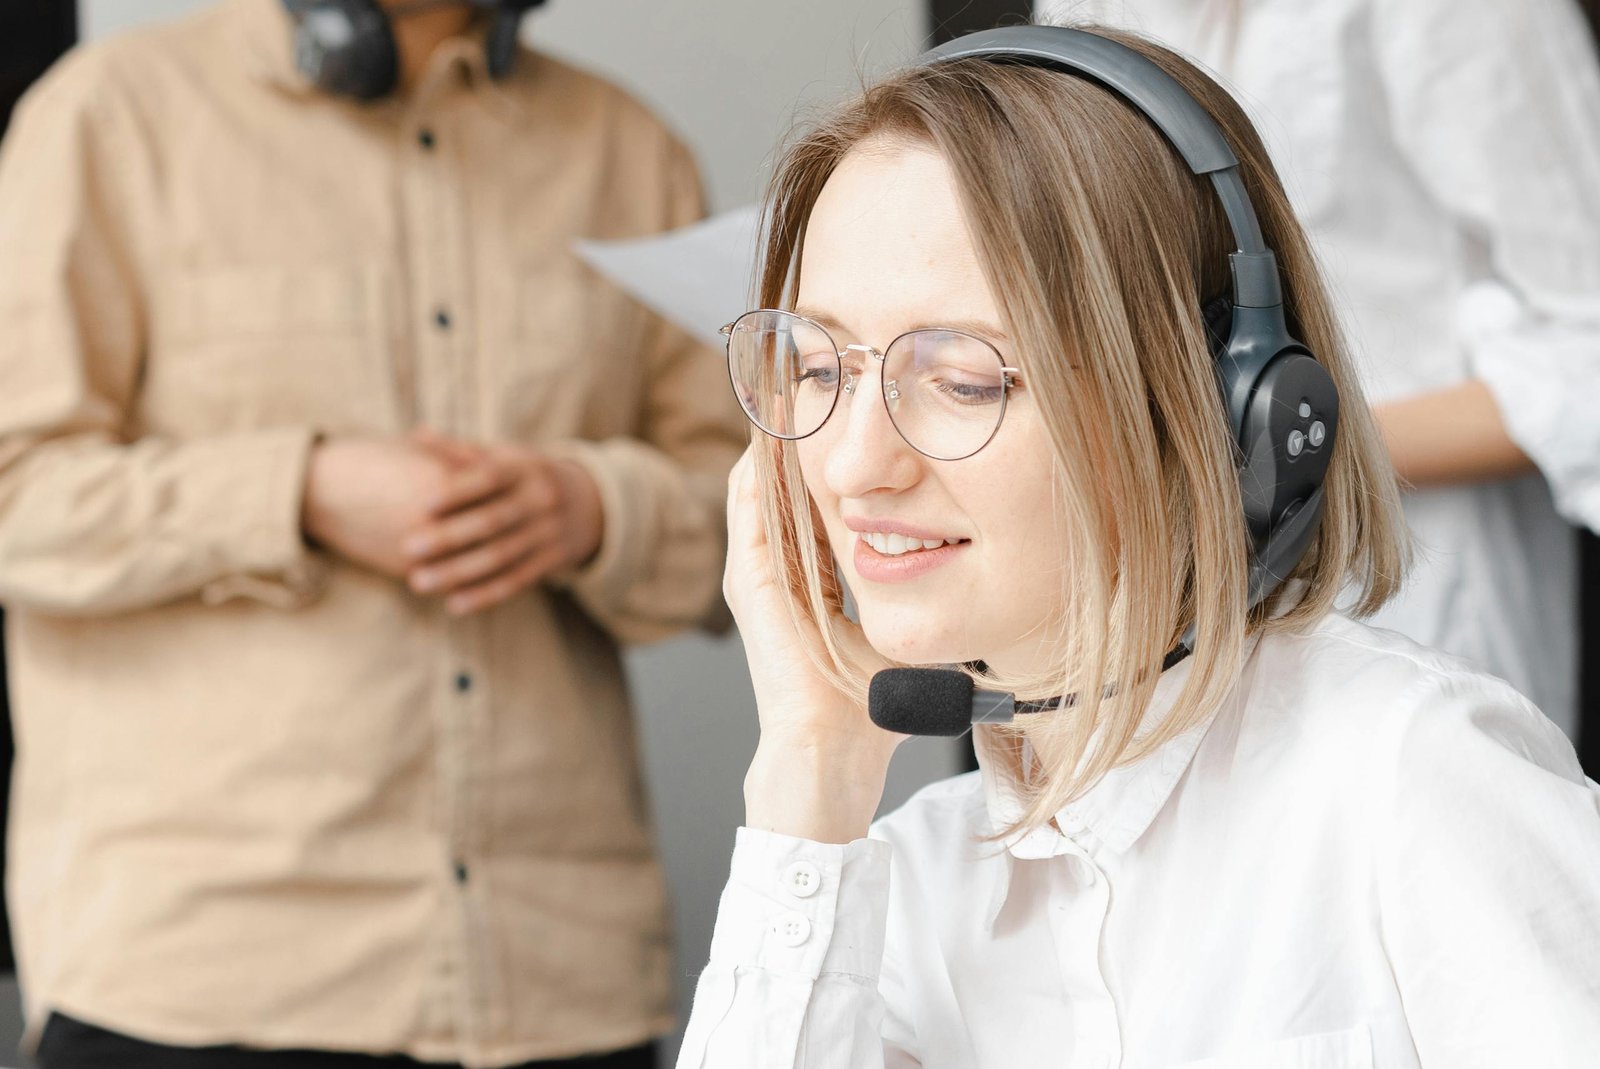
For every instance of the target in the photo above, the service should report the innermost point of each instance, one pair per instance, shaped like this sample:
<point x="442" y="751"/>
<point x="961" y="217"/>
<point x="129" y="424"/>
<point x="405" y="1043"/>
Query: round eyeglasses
<point x="945" y="389"/>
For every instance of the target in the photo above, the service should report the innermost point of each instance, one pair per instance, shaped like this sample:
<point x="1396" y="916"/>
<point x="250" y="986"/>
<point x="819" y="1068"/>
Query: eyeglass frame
<point x="1010" y="378"/>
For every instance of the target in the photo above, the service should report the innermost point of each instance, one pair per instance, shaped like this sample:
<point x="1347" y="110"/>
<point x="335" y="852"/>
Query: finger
<point x="741" y="483"/>
<point x="476" y="564"/>
<point x="467" y="527"/>
<point x="541" y="489"/>
<point x="470" y="485"/>
<point x="506" y="584"/>
<point x="451" y="450"/>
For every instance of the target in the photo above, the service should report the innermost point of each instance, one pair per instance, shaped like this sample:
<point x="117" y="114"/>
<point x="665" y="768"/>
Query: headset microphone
<point x="934" y="701"/>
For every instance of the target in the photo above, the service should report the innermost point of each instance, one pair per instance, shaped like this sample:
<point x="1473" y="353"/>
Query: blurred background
<point x="730" y="76"/>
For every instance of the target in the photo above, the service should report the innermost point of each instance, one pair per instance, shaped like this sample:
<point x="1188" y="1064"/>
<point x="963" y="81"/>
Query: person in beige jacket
<point x="330" y="482"/>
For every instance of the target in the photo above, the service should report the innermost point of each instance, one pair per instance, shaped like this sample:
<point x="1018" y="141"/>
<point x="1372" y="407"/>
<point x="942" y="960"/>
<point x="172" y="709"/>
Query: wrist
<point x="826" y="793"/>
<point x="583" y="497"/>
<point x="311" y="513"/>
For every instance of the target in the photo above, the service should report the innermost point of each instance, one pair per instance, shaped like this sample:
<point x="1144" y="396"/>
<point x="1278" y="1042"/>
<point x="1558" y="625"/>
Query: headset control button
<point x="1305" y="410"/>
<point x="1317" y="435"/>
<point x="1297" y="443"/>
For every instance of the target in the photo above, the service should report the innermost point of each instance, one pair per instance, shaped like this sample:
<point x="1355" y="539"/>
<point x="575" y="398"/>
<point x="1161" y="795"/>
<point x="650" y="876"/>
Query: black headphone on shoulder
<point x="347" y="47"/>
<point x="1281" y="404"/>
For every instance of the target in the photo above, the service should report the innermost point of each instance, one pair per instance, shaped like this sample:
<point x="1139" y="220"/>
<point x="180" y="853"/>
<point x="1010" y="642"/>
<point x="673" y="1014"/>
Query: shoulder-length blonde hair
<point x="1101" y="248"/>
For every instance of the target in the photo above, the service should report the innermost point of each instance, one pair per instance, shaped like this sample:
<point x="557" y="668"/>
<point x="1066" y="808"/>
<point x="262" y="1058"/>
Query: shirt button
<point x="463" y="682"/>
<point x="802" y="879"/>
<point x="441" y="318"/>
<point x="425" y="138"/>
<point x="462" y="872"/>
<point x="792" y="929"/>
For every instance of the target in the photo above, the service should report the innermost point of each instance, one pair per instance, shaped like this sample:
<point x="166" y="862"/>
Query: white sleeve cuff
<point x="800" y="907"/>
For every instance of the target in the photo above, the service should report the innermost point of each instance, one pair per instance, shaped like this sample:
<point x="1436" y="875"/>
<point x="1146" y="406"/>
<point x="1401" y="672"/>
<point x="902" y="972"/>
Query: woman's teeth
<point x="893" y="545"/>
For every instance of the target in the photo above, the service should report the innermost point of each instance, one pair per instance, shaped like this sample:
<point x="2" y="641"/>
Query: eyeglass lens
<point x="945" y="390"/>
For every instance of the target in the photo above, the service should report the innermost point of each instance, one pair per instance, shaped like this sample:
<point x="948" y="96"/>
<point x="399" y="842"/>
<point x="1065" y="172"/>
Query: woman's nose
<point x="865" y="451"/>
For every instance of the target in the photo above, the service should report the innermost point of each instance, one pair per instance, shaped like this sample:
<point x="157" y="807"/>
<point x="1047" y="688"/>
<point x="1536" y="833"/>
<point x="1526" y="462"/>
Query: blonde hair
<point x="1101" y="245"/>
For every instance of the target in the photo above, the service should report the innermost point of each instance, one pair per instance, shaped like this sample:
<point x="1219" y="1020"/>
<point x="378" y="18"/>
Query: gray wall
<point x="731" y="76"/>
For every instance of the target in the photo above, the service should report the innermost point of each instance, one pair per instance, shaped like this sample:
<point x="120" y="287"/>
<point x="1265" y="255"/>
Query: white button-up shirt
<point x="1371" y="857"/>
<point x="1444" y="156"/>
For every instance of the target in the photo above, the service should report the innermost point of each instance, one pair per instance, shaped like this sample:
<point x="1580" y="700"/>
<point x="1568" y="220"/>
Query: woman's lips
<point x="877" y="567"/>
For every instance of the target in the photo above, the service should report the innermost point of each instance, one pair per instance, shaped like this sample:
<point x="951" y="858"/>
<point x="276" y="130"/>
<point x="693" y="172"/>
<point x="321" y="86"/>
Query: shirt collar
<point x="1115" y="812"/>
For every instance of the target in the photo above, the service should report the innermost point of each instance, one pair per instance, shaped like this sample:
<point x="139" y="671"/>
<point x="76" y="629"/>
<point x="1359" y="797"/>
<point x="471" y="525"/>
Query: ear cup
<point x="1283" y="409"/>
<point x="1288" y="438"/>
<point x="345" y="46"/>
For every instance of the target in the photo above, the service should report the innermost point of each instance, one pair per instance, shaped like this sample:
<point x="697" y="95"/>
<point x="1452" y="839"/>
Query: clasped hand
<point x="473" y="524"/>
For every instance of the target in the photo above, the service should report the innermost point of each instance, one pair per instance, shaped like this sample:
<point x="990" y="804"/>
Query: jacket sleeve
<point x="663" y="491"/>
<point x="1496" y="110"/>
<point x="94" y="519"/>
<point x="793" y="981"/>
<point x="1487" y="854"/>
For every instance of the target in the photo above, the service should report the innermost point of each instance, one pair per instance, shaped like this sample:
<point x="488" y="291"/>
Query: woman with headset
<point x="1237" y="828"/>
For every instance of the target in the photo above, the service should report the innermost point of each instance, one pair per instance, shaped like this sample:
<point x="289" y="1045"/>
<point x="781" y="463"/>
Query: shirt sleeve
<point x="1487" y="840"/>
<point x="795" y="961"/>
<point x="92" y="518"/>
<point x="1496" y="108"/>
<point x="663" y="491"/>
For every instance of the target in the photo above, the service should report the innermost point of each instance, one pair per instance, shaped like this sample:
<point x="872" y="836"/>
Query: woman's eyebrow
<point x="821" y="318"/>
<point x="979" y="328"/>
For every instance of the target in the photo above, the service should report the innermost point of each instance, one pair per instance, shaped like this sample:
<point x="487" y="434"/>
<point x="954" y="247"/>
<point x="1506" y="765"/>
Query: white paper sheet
<point x="699" y="277"/>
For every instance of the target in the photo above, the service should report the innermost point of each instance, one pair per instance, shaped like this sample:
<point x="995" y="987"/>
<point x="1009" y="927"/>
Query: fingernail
<point x="458" y="606"/>
<point x="419" y="545"/>
<point x="424" y="581"/>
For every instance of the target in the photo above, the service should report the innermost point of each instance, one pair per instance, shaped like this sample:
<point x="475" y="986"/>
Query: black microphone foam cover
<point x="921" y="701"/>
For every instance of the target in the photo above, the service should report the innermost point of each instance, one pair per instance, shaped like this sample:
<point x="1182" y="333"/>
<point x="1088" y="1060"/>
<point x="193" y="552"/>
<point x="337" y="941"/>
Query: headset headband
<point x="1169" y="107"/>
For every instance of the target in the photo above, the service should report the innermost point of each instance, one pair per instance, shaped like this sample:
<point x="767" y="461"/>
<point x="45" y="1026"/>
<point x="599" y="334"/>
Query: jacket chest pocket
<point x="575" y="367"/>
<point x="1348" y="1049"/>
<point x="239" y="348"/>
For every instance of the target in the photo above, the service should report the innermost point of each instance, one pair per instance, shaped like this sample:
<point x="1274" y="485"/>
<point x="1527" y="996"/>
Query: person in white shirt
<point x="1444" y="156"/>
<point x="1311" y="844"/>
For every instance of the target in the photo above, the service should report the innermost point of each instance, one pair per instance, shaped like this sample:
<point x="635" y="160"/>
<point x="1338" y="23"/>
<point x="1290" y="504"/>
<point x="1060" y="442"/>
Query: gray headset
<point x="1281" y="405"/>
<point x="347" y="47"/>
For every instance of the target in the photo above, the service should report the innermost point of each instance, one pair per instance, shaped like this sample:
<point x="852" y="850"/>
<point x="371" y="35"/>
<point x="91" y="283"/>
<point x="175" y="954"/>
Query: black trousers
<point x="72" y="1044"/>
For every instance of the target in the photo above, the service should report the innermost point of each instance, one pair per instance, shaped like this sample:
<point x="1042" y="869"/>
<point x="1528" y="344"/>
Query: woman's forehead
<point x="887" y="243"/>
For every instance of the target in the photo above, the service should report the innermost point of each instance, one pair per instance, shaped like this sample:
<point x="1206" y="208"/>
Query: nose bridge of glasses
<point x="850" y="375"/>
<point x="869" y="419"/>
<point x="853" y="348"/>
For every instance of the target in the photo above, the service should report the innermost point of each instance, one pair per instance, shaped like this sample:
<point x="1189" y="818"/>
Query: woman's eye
<point x="968" y="393"/>
<point x="821" y="376"/>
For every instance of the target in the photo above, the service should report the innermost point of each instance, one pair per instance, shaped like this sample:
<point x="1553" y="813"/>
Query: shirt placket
<point x="1080" y="900"/>
<point x="438" y="250"/>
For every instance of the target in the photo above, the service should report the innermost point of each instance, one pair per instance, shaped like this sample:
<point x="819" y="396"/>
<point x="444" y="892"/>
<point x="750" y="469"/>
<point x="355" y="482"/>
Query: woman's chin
<point x="907" y="643"/>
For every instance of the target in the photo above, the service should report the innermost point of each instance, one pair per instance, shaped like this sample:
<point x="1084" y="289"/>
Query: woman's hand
<point x="819" y="770"/>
